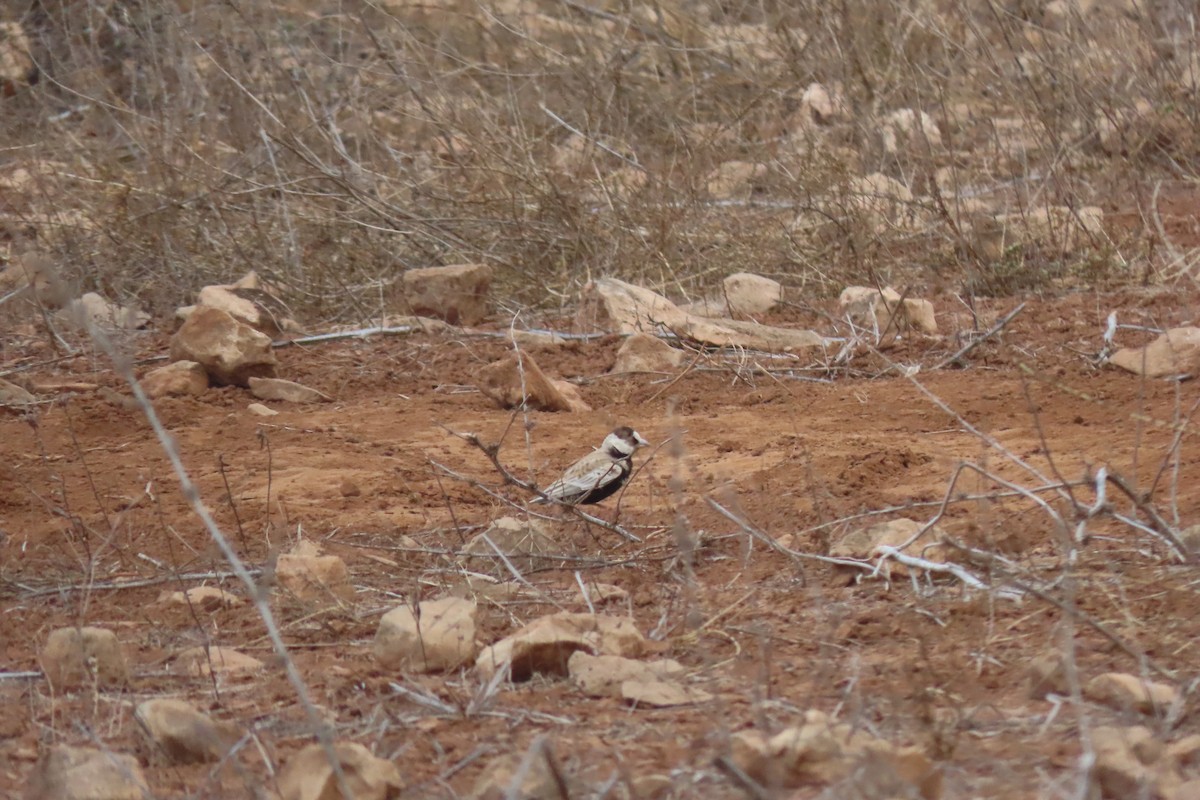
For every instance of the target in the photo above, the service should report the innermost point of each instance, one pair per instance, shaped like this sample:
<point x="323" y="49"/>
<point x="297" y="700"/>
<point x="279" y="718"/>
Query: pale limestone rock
<point x="825" y="752"/>
<point x="496" y="779"/>
<point x="1129" y="764"/>
<point x="614" y="305"/>
<point x="74" y="657"/>
<point x="178" y="733"/>
<point x="546" y="644"/>
<point x="1057" y="230"/>
<point x="92" y="310"/>
<point x="644" y="683"/>
<point x="198" y="663"/>
<point x="735" y="179"/>
<point x="249" y="303"/>
<point x="458" y="294"/>
<point x="1122" y="691"/>
<point x="602" y="676"/>
<point x="307" y="575"/>
<point x="17" y="67"/>
<point x="85" y="773"/>
<point x="642" y="352"/>
<point x="308" y="775"/>
<point x="1047" y="674"/>
<point x="208" y="599"/>
<point x="884" y="310"/>
<point x="657" y="693"/>
<point x="869" y="543"/>
<point x="15" y="397"/>
<point x="259" y="410"/>
<point x="516" y="380"/>
<point x="749" y="294"/>
<point x="822" y="105"/>
<point x="525" y="542"/>
<point x="605" y="593"/>
<point x="286" y="391"/>
<point x="35" y="275"/>
<point x="1176" y="352"/>
<point x="883" y="202"/>
<point x="230" y="351"/>
<point x="177" y="379"/>
<point x="441" y="636"/>
<point x="907" y="127"/>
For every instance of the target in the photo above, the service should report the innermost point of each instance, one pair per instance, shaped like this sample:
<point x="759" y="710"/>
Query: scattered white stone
<point x="901" y="128"/>
<point x="884" y="310"/>
<point x="78" y="656"/>
<point x="605" y="593"/>
<point x="1129" y="764"/>
<point x="1047" y="674"/>
<point x="33" y="274"/>
<point x="178" y="733"/>
<point x="85" y="773"/>
<point x="1058" y="230"/>
<point x="735" y="179"/>
<point x="517" y="380"/>
<point x="1123" y="691"/>
<point x="308" y="575"/>
<point x="749" y="294"/>
<point x="249" y="303"/>
<point x="525" y="542"/>
<point x="286" y="391"/>
<point x="439" y="637"/>
<point x="603" y="675"/>
<point x="198" y="662"/>
<point x="614" y="305"/>
<point x="259" y="410"/>
<point x="208" y="599"/>
<point x="177" y="379"/>
<point x="882" y="202"/>
<point x="657" y="693"/>
<point x="458" y="294"/>
<point x="642" y="352"/>
<point x="537" y="781"/>
<point x="1190" y="537"/>
<point x="231" y="352"/>
<point x="1176" y="352"/>
<point x="308" y="774"/>
<point x="92" y="310"/>
<point x="545" y="645"/>
<point x="15" y="397"/>
<point x="869" y="543"/>
<point x="823" y="752"/>
<point x="16" y="62"/>
<point x="822" y="106"/>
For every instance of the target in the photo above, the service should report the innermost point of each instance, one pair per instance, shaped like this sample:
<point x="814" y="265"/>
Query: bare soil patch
<point x="95" y="529"/>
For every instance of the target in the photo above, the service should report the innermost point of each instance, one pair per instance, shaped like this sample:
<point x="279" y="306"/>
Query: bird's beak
<point x="641" y="440"/>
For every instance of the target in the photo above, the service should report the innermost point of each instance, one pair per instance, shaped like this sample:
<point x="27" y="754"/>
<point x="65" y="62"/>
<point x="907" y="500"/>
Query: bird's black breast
<point x="608" y="486"/>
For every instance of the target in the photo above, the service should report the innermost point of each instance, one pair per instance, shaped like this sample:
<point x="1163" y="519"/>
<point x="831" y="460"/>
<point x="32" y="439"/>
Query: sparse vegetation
<point x="1028" y="166"/>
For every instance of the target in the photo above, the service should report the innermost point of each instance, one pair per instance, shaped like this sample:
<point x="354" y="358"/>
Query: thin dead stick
<point x="865" y="566"/>
<point x="958" y="571"/>
<point x="1160" y="526"/>
<point x="678" y="378"/>
<point x="321" y="729"/>
<point x="999" y="326"/>
<point x="113" y="586"/>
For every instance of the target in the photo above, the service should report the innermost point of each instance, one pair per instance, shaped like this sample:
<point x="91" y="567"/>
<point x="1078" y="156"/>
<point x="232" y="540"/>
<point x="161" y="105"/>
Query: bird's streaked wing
<point x="570" y="487"/>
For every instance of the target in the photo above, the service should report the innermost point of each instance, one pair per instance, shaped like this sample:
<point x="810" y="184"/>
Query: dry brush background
<point x="981" y="155"/>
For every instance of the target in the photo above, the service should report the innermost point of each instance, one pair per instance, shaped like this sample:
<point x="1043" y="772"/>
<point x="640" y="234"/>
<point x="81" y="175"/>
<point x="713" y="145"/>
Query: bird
<point x="598" y="475"/>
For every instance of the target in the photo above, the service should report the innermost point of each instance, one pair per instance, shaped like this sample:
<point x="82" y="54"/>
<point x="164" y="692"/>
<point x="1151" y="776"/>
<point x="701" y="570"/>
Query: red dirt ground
<point x="88" y="501"/>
